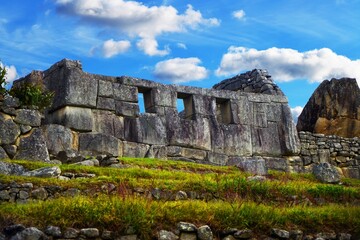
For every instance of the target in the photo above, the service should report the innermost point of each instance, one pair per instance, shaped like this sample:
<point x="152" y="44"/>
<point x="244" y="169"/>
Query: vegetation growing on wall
<point x="2" y="81"/>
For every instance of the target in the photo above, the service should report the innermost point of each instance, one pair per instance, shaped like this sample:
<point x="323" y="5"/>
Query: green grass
<point x="284" y="200"/>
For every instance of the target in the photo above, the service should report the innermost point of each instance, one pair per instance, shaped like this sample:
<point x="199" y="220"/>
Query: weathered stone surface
<point x="125" y="93"/>
<point x="45" y="172"/>
<point x="98" y="143"/>
<point x="58" y="138"/>
<point x="135" y="149"/>
<point x="333" y="109"/>
<point x="91" y="163"/>
<point x="279" y="164"/>
<point x="30" y="233"/>
<point x="71" y="233"/>
<point x="76" y="118"/>
<point x="28" y="117"/>
<point x="106" y="103"/>
<point x="188" y="236"/>
<point x="9" y="131"/>
<point x="127" y="109"/>
<point x="90" y="232"/>
<point x="282" y="234"/>
<point x="33" y="147"/>
<point x="266" y="141"/>
<point x="53" y="231"/>
<point x="3" y="154"/>
<point x="327" y="173"/>
<point x="152" y="129"/>
<point x="105" y="89"/>
<point x="204" y="233"/>
<point x="351" y="172"/>
<point x="10" y="102"/>
<point x="186" y="227"/>
<point x="217" y="158"/>
<point x="13" y="229"/>
<point x="255" y="165"/>
<point x="11" y="168"/>
<point x="243" y="234"/>
<point x="167" y="235"/>
<point x="25" y="128"/>
<point x="39" y="194"/>
<point x="108" y="123"/>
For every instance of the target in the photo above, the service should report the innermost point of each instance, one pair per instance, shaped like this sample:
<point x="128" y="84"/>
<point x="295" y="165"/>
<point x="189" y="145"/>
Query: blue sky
<point x="196" y="43"/>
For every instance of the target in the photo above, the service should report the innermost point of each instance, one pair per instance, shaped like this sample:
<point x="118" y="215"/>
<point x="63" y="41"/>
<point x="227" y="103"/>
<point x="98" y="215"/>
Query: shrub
<point x="32" y="95"/>
<point x="2" y="81"/>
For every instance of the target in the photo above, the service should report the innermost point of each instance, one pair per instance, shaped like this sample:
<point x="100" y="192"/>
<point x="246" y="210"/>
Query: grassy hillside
<point x="146" y="198"/>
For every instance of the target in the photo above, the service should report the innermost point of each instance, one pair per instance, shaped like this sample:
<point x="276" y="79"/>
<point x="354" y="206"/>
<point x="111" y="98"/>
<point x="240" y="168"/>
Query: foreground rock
<point x="333" y="109"/>
<point x="326" y="173"/>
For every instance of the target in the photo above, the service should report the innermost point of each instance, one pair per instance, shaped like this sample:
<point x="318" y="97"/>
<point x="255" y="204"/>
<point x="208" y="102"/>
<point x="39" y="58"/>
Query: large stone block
<point x="9" y="131"/>
<point x="127" y="109"/>
<point x="71" y="85"/>
<point x="108" y="123"/>
<point x="99" y="143"/>
<point x="188" y="133"/>
<point x="265" y="141"/>
<point x="279" y="164"/>
<point x="217" y="158"/>
<point x="76" y="118"/>
<point x="106" y="89"/>
<point x="58" y="138"/>
<point x="125" y="93"/>
<point x="242" y="111"/>
<point x="28" y="117"/>
<point x="33" y="147"/>
<point x="164" y="96"/>
<point x="152" y="129"/>
<point x="195" y="154"/>
<point x="106" y="103"/>
<point x="132" y="149"/>
<point x="255" y="165"/>
<point x="290" y="143"/>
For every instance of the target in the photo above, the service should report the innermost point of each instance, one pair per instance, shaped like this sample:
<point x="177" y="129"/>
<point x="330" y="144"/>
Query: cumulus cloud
<point x="295" y="112"/>
<point x="136" y="19"/>
<point x="239" y="14"/>
<point x="180" y="70"/>
<point x="181" y="45"/>
<point x="111" y="48"/>
<point x="11" y="73"/>
<point x="286" y="64"/>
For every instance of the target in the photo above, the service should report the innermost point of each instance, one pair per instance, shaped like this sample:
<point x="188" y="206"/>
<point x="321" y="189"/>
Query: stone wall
<point x="96" y="114"/>
<point x="341" y="152"/>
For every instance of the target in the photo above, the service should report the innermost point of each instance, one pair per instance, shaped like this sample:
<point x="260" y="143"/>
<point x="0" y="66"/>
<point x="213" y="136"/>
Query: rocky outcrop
<point x="333" y="109"/>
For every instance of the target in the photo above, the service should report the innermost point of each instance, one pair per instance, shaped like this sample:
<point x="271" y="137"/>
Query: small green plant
<point x="2" y="81"/>
<point x="32" y="95"/>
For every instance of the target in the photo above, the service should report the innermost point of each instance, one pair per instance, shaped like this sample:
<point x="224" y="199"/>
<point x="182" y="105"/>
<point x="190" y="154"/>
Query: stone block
<point x="99" y="143"/>
<point x="108" y="123"/>
<point x="254" y="165"/>
<point x="3" y="154"/>
<point x="164" y="96"/>
<point x="9" y="131"/>
<point x="326" y="173"/>
<point x="58" y="138"/>
<point x="152" y="129"/>
<point x="243" y="111"/>
<point x="76" y="118"/>
<point x="157" y="151"/>
<point x="105" y="89"/>
<point x="217" y="158"/>
<point x="127" y="109"/>
<point x="324" y="155"/>
<point x="106" y="103"/>
<point x="190" y="153"/>
<point x="132" y="130"/>
<point x="265" y="141"/>
<point x="33" y="147"/>
<point x="290" y="143"/>
<point x="137" y="150"/>
<point x="351" y="172"/>
<point x="125" y="93"/>
<point x="188" y="133"/>
<point x="28" y="117"/>
<point x="279" y="164"/>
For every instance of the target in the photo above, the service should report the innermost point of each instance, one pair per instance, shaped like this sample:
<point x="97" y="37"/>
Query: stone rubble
<point x="184" y="231"/>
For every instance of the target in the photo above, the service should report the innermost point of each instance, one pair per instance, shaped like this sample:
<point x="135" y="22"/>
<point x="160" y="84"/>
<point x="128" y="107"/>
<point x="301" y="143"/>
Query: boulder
<point x="166" y="235"/>
<point x="186" y="227"/>
<point x="9" y="131"/>
<point x="7" y="168"/>
<point x="204" y="233"/>
<point x="44" y="172"/>
<point x="327" y="173"/>
<point x="33" y="147"/>
<point x="29" y="233"/>
<point x="254" y="165"/>
<point x="28" y="117"/>
<point x="333" y="109"/>
<point x="3" y="154"/>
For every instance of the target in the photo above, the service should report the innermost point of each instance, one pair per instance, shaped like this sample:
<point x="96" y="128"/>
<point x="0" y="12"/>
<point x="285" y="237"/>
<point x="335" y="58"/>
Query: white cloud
<point x="180" y="70"/>
<point x="11" y="73"/>
<point x="286" y="64"/>
<point x="111" y="48"/>
<point x="239" y="14"/>
<point x="150" y="47"/>
<point x="181" y="45"/>
<point x="136" y="19"/>
<point x="295" y="112"/>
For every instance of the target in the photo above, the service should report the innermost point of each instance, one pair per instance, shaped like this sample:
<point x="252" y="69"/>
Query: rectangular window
<point x="145" y="100"/>
<point x="187" y="105"/>
<point x="223" y="111"/>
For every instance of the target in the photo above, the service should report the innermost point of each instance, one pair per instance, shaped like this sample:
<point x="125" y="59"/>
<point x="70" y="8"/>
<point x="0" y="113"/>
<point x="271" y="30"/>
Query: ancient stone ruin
<point x="243" y="121"/>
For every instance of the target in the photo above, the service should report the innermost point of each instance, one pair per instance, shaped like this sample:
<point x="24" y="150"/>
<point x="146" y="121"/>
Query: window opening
<point x="145" y="100"/>
<point x="185" y="106"/>
<point x="223" y="111"/>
